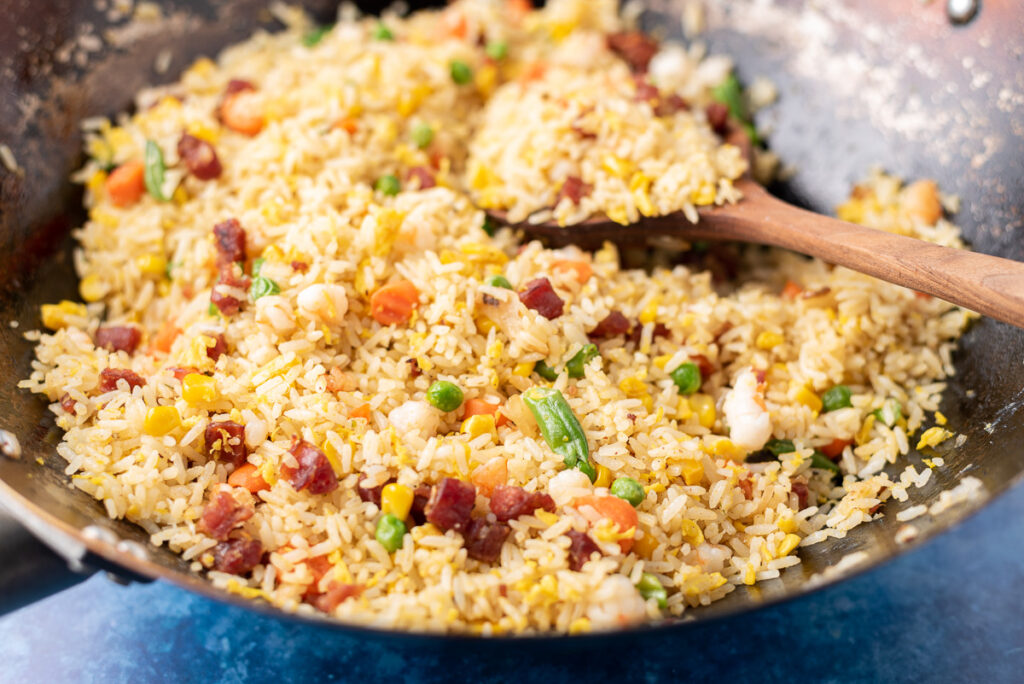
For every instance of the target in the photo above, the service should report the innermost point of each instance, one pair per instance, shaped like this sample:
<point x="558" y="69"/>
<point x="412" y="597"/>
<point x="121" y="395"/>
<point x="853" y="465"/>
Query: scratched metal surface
<point x="859" y="86"/>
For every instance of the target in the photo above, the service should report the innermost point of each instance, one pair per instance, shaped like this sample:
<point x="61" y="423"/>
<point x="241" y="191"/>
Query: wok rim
<point x="33" y="516"/>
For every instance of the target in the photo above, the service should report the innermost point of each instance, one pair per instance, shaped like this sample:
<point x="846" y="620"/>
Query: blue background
<point x="950" y="611"/>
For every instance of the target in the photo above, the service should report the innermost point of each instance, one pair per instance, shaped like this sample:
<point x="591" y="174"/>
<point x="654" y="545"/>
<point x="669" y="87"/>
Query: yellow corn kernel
<point x="180" y="195"/>
<point x="863" y="435"/>
<point x="96" y="181"/>
<point x="160" y="420"/>
<point x="683" y="410"/>
<point x="579" y="626"/>
<point x="55" y="316"/>
<point x="704" y="406"/>
<point x="197" y="388"/>
<point x="604" y="476"/>
<point x="940" y="418"/>
<point x="92" y="288"/>
<point x="787" y="525"/>
<point x="396" y="499"/>
<point x="200" y="130"/>
<point x="661" y="361"/>
<point x="523" y="370"/>
<point x="152" y="264"/>
<point x="804" y="395"/>
<point x="749" y="577"/>
<point x="691" y="532"/>
<point x="786" y="546"/>
<point x="933" y="436"/>
<point x="650" y="311"/>
<point x="482" y="424"/>
<point x="485" y="79"/>
<point x="767" y="340"/>
<point x="693" y="471"/>
<point x="645" y="545"/>
<point x="486" y="325"/>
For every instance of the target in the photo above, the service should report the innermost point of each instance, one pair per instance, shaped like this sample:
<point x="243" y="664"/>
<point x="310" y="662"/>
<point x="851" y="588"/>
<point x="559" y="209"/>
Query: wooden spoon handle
<point x="990" y="285"/>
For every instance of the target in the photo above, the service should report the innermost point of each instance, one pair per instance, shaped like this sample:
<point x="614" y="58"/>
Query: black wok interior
<point x="911" y="101"/>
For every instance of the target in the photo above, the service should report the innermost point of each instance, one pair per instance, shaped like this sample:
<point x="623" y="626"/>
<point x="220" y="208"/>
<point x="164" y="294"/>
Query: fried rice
<point x="259" y="397"/>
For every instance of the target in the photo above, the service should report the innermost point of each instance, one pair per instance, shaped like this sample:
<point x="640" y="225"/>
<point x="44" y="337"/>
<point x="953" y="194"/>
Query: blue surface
<point x="951" y="611"/>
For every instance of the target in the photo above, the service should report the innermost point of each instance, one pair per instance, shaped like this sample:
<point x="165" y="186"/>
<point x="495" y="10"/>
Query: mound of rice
<point x="312" y="365"/>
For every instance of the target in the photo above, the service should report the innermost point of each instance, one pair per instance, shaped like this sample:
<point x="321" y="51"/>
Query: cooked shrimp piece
<point x="415" y="418"/>
<point x="326" y="303"/>
<point x="750" y="425"/>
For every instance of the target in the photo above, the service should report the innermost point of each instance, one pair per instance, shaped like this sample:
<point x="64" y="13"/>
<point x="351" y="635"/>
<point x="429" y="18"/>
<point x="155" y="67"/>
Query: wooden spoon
<point x="988" y="284"/>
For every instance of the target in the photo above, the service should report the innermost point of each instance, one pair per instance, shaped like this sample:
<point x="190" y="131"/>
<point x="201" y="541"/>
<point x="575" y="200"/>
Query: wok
<point x="872" y="83"/>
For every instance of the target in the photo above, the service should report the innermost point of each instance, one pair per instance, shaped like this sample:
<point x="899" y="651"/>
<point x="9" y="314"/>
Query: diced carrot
<point x="581" y="269"/>
<point x="166" y="336"/>
<point x="248" y="477"/>
<point x="835" y="448"/>
<point x="489" y="475"/>
<point x="454" y="25"/>
<point x="180" y="373"/>
<point x="922" y="295"/>
<point x="394" y="303"/>
<point x="127" y="183"/>
<point x="518" y="8"/>
<point x="347" y="124"/>
<point x="241" y="112"/>
<point x="619" y="511"/>
<point x="481" y="407"/>
<point x="361" y="412"/>
<point x="533" y="72"/>
<point x="791" y="290"/>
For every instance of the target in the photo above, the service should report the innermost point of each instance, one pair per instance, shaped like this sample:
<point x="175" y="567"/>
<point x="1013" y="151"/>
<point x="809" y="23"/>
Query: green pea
<point x="629" y="489"/>
<point x="261" y="287"/>
<point x="490" y="226"/>
<point x="836" y="398"/>
<point x="316" y="35"/>
<point x="822" y="462"/>
<point x="390" y="532"/>
<point x="687" y="378"/>
<point x="153" y="173"/>
<point x="890" y="413"/>
<point x="382" y="32"/>
<point x="257" y="264"/>
<point x="496" y="49"/>
<point x="460" y="71"/>
<point x="422" y="135"/>
<point x="500" y="281"/>
<point x="444" y="395"/>
<point x="388" y="185"/>
<point x="576" y="365"/>
<point x="780" y="446"/>
<point x="650" y="588"/>
<point x="545" y="371"/>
